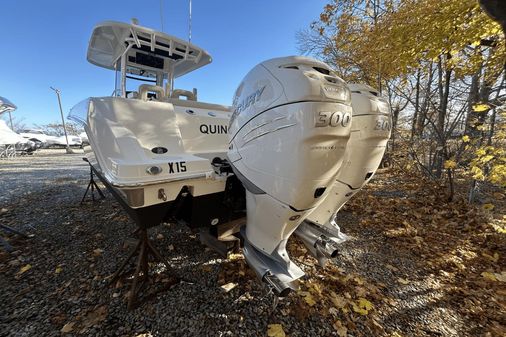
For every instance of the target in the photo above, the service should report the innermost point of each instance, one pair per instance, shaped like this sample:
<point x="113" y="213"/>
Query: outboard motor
<point x="370" y="131"/>
<point x="288" y="135"/>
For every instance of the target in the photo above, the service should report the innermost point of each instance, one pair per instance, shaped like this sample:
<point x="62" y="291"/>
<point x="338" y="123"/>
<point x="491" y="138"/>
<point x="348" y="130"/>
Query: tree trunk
<point x="395" y="117"/>
<point x="444" y="77"/>
<point x="417" y="105"/>
<point x="422" y="114"/>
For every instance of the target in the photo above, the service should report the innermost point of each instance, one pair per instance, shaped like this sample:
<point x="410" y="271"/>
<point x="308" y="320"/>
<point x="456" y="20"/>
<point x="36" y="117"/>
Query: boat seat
<point x="190" y="96"/>
<point x="145" y="89"/>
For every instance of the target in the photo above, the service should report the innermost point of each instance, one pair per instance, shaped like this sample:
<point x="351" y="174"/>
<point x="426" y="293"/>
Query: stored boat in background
<point x="12" y="143"/>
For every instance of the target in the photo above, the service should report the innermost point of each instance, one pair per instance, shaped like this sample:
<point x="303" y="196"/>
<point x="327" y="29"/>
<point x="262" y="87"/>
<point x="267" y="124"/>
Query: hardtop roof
<point x="151" y="51"/>
<point x="6" y="105"/>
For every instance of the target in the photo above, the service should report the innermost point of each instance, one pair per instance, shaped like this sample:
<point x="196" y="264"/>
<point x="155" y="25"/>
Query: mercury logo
<point x="250" y="100"/>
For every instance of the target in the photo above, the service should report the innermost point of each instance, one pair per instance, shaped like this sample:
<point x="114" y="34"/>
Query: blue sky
<point x="43" y="43"/>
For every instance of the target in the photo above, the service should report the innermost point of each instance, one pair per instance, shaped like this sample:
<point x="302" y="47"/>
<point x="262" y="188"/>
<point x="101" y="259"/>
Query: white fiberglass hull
<point x="144" y="146"/>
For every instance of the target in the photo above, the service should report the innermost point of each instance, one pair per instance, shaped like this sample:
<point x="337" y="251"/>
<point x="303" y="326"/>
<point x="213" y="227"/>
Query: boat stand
<point x="144" y="248"/>
<point x="92" y="184"/>
<point x="4" y="242"/>
<point x="144" y="218"/>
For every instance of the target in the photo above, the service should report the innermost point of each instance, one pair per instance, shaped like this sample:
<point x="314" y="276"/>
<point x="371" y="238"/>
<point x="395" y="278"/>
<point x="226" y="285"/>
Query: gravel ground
<point x="24" y="175"/>
<point x="41" y="194"/>
<point x="76" y="247"/>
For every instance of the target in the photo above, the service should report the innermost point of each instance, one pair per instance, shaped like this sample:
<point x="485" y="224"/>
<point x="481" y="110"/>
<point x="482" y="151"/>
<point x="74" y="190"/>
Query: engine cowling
<point x="288" y="135"/>
<point x="370" y="131"/>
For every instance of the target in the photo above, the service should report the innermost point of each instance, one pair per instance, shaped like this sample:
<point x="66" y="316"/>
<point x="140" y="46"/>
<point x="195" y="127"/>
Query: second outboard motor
<point x="288" y="135"/>
<point x="370" y="131"/>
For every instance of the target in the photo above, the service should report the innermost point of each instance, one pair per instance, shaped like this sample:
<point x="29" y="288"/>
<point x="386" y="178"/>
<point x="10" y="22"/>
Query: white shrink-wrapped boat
<point x="11" y="142"/>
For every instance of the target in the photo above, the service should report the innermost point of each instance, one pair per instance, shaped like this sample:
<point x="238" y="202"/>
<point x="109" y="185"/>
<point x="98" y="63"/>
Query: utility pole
<point x="62" y="119"/>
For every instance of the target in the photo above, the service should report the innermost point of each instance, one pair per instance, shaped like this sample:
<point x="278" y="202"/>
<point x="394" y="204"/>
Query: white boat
<point x="61" y="141"/>
<point x="277" y="158"/>
<point x="11" y="143"/>
<point x="84" y="139"/>
<point x="151" y="142"/>
<point x="38" y="135"/>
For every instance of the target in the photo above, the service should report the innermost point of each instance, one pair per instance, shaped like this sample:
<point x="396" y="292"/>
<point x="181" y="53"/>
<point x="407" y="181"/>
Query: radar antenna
<point x="190" y="24"/>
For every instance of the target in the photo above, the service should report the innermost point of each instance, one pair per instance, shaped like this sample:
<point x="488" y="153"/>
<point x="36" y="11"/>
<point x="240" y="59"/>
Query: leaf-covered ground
<point x="415" y="265"/>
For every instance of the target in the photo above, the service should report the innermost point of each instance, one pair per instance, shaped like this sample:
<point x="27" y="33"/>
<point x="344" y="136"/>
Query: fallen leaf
<point x="489" y="276"/>
<point x="333" y="311"/>
<point x="233" y="257"/>
<point x="308" y="298"/>
<point x="358" y="280"/>
<point x="360" y="291"/>
<point x="25" y="268"/>
<point x="493" y="258"/>
<point x="58" y="270"/>
<point x="229" y="286"/>
<point x="498" y="195"/>
<point x="94" y="317"/>
<point x="160" y="236"/>
<point x="362" y="307"/>
<point x="392" y="268"/>
<point x="337" y="300"/>
<point x="98" y="252"/>
<point x="341" y="330"/>
<point x="500" y="277"/>
<point x="275" y="330"/>
<point x="488" y="207"/>
<point x="402" y="281"/>
<point x="363" y="303"/>
<point x="315" y="288"/>
<point x="68" y="327"/>
<point x="171" y="247"/>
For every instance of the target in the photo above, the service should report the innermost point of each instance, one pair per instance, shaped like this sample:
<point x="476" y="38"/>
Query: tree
<point x="437" y="61"/>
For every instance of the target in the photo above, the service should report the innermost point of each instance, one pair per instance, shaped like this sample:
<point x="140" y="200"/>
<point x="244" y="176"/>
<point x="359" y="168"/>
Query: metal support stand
<point x="93" y="186"/>
<point x="144" y="249"/>
<point x="4" y="242"/>
<point x="8" y="248"/>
